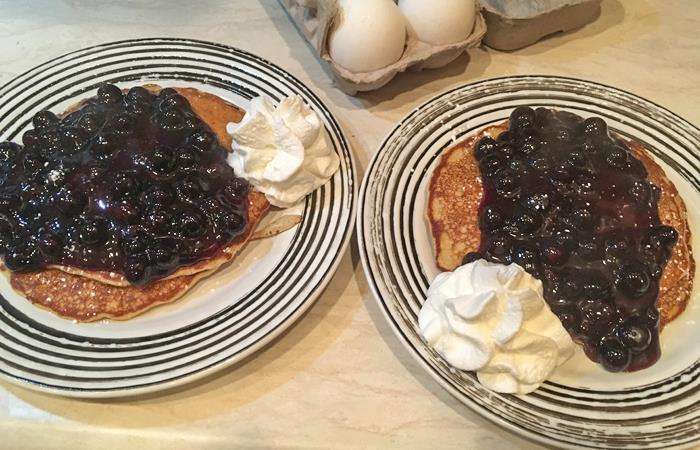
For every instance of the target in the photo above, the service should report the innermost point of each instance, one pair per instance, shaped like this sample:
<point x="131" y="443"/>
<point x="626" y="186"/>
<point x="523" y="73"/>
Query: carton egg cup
<point x="314" y="18"/>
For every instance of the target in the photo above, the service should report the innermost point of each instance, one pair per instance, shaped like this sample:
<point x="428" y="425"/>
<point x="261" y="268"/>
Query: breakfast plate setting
<point x="638" y="402"/>
<point x="64" y="347"/>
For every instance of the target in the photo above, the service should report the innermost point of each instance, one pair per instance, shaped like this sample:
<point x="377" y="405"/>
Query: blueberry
<point x="543" y="116"/>
<point x="595" y="126"/>
<point x="109" y="94"/>
<point x="124" y="186"/>
<point x="50" y="244"/>
<point x="594" y="286"/>
<point x="581" y="219"/>
<point x="126" y="213"/>
<point x="634" y="334"/>
<point x="471" y="257"/>
<point x="134" y="245"/>
<point x="491" y="164"/>
<point x="188" y="190"/>
<point x="562" y="173"/>
<point x="490" y="219"/>
<point x="651" y="318"/>
<point x="565" y="237"/>
<point x="576" y="158"/>
<point x="72" y="141"/>
<point x="234" y="194"/>
<point x="499" y="247"/>
<point x="614" y="356"/>
<point x="156" y="195"/>
<point x="192" y="224"/>
<point x="518" y="166"/>
<point x="229" y="222"/>
<point x="506" y="136"/>
<point x="507" y="183"/>
<point x="121" y="123"/>
<point x="89" y="123"/>
<point x="562" y="134"/>
<point x="22" y="255"/>
<point x="528" y="222"/>
<point x="554" y="254"/>
<point x="30" y="140"/>
<point x="162" y="160"/>
<point x="44" y="119"/>
<point x="663" y="236"/>
<point x="201" y="141"/>
<point x="159" y="220"/>
<point x="103" y="146"/>
<point x="170" y="120"/>
<point x="588" y="248"/>
<point x="640" y="191"/>
<point x="618" y="245"/>
<point x="522" y="117"/>
<point x="162" y="256"/>
<point x="506" y="150"/>
<point x="633" y="279"/>
<point x="167" y="92"/>
<point x="616" y="157"/>
<point x="175" y="101"/>
<point x="92" y="231"/>
<point x="69" y="202"/>
<point x="538" y="161"/>
<point x="186" y="161"/>
<point x="8" y="151"/>
<point x="536" y="201"/>
<point x="135" y="271"/>
<point x="139" y="94"/>
<point x="527" y="257"/>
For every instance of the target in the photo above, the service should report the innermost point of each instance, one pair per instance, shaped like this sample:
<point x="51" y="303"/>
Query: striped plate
<point x="227" y="316"/>
<point x="581" y="406"/>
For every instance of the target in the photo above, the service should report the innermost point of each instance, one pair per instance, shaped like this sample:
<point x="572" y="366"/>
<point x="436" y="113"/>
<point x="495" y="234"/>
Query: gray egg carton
<point x="513" y="24"/>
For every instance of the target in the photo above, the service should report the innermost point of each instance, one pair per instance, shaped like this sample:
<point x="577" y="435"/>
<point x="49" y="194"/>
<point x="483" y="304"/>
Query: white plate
<point x="228" y="315"/>
<point x="582" y="405"/>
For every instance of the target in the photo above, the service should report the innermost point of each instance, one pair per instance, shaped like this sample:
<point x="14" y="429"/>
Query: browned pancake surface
<point x="455" y="193"/>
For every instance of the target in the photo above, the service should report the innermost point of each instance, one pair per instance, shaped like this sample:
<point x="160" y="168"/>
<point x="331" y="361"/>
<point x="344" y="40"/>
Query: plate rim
<point x="374" y="288"/>
<point x="186" y="380"/>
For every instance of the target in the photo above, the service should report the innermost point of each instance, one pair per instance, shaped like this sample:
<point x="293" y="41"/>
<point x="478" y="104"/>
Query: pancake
<point x="216" y="112"/>
<point x="456" y="192"/>
<point x="89" y="295"/>
<point x="84" y="299"/>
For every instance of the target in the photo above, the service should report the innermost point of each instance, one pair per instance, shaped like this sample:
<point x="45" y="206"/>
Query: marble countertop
<point x="339" y="378"/>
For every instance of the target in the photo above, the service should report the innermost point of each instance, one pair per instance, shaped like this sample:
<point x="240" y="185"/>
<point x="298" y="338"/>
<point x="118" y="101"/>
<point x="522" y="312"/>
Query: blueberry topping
<point x="116" y="185"/>
<point x="614" y="356"/>
<point x="572" y="205"/>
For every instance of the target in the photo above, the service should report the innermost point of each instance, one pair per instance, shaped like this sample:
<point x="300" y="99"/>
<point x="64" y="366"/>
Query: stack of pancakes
<point x="456" y="192"/>
<point x="86" y="295"/>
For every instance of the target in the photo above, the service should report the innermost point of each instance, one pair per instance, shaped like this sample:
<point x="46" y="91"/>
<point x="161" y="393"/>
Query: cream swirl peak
<point x="282" y="150"/>
<point x="492" y="319"/>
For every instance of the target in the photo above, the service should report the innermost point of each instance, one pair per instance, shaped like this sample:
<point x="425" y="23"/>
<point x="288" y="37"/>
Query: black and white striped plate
<point x="581" y="406"/>
<point x="227" y="316"/>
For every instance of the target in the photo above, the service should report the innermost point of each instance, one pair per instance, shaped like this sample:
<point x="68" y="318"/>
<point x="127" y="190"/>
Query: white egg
<point x="367" y="35"/>
<point x="439" y="22"/>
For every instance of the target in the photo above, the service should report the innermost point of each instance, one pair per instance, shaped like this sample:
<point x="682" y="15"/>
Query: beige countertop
<point x="339" y="378"/>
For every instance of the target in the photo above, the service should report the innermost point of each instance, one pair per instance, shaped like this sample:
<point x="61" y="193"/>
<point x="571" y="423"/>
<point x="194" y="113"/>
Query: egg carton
<point x="515" y="24"/>
<point x="314" y="19"/>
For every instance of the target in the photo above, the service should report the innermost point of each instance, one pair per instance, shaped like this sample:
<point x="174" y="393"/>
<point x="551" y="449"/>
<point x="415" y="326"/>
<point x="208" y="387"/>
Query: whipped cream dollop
<point x="493" y="319"/>
<point x="282" y="150"/>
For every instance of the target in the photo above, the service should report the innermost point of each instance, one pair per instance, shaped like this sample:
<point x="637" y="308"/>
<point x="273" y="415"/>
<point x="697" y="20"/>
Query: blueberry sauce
<point x="572" y="205"/>
<point x="133" y="183"/>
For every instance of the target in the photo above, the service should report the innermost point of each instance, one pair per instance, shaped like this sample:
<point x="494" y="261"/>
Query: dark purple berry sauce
<point x="131" y="183"/>
<point x="570" y="204"/>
